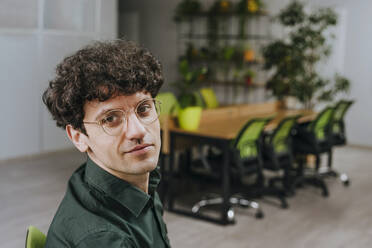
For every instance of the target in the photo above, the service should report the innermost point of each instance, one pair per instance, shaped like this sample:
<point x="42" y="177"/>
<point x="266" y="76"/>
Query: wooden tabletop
<point x="225" y="122"/>
<point x="228" y="128"/>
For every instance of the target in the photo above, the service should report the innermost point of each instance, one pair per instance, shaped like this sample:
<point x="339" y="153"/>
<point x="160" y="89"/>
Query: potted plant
<point x="246" y="9"/>
<point x="190" y="105"/>
<point x="293" y="60"/>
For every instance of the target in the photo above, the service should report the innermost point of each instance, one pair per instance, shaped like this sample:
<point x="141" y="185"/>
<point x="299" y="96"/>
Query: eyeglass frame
<point x="125" y="115"/>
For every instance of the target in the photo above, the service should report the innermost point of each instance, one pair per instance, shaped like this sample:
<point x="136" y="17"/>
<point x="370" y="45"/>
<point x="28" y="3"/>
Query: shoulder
<point x="80" y="220"/>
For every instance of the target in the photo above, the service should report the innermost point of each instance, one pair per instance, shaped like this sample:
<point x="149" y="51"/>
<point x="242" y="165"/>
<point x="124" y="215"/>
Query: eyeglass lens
<point x="146" y="111"/>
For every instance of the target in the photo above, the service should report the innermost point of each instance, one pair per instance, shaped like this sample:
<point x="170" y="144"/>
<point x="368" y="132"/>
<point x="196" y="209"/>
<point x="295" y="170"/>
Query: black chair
<point x="278" y="153"/>
<point x="314" y="138"/>
<point x="247" y="154"/>
<point x="338" y="126"/>
<point x="338" y="138"/>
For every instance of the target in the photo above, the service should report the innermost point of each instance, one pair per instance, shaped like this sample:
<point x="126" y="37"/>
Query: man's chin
<point x="146" y="165"/>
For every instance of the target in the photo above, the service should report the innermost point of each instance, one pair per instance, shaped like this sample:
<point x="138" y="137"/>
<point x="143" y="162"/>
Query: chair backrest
<point x="35" y="238"/>
<point x="169" y="103"/>
<point x="322" y="124"/>
<point x="338" y="117"/>
<point x="209" y="97"/>
<point x="279" y="140"/>
<point x="247" y="141"/>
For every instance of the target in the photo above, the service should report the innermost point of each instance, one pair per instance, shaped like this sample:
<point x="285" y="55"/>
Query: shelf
<point x="225" y="37"/>
<point x="221" y="61"/>
<point x="228" y="14"/>
<point x="235" y="83"/>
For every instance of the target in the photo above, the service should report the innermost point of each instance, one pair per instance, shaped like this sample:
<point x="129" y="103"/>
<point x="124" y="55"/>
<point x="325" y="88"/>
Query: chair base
<point x="315" y="180"/>
<point x="286" y="185"/>
<point x="327" y="172"/>
<point x="273" y="191"/>
<point x="235" y="200"/>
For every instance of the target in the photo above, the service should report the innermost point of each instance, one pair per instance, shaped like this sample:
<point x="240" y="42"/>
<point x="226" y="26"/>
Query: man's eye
<point x="110" y="118"/>
<point x="113" y="119"/>
<point x="144" y="108"/>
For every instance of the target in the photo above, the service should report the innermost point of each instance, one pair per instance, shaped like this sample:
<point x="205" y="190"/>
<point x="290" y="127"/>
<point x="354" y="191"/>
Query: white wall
<point x="34" y="36"/>
<point x="357" y="67"/>
<point x="355" y="63"/>
<point x="351" y="49"/>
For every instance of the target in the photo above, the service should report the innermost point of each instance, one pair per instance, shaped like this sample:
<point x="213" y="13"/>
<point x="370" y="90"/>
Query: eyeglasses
<point x="114" y="121"/>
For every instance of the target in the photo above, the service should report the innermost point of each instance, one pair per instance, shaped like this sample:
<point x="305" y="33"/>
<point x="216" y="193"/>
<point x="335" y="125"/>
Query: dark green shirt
<point x="101" y="210"/>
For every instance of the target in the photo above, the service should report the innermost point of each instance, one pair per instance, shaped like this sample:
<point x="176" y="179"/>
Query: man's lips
<point x="138" y="148"/>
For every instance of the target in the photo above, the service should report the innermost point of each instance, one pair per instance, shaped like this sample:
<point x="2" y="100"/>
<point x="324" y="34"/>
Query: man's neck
<point x="140" y="181"/>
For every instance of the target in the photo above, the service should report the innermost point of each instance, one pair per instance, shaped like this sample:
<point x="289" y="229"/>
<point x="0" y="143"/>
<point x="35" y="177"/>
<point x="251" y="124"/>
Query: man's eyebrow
<point x="103" y="111"/>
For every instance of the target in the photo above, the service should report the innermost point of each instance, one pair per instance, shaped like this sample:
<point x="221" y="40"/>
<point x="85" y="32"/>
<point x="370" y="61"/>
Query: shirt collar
<point x="123" y="192"/>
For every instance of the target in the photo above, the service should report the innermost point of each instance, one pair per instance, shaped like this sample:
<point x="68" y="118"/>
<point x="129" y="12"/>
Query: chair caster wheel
<point x="259" y="215"/>
<point x="230" y="216"/>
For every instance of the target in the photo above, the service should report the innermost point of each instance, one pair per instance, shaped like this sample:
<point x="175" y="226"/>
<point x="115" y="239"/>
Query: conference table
<point x="218" y="127"/>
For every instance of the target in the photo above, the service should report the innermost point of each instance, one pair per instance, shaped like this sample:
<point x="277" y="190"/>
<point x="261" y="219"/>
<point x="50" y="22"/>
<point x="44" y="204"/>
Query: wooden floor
<point x="30" y="191"/>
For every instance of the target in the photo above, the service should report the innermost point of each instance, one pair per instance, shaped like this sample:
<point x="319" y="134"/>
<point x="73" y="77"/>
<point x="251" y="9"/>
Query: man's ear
<point x="77" y="138"/>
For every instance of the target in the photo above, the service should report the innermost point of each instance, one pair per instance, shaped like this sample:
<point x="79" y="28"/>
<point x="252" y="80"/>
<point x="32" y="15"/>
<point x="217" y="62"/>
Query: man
<point x="103" y="96"/>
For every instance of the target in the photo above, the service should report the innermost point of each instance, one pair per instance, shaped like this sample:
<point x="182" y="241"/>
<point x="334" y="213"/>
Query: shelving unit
<point x="227" y="72"/>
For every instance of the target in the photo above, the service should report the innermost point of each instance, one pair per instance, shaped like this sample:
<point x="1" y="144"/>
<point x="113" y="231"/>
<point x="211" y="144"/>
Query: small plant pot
<point x="189" y="118"/>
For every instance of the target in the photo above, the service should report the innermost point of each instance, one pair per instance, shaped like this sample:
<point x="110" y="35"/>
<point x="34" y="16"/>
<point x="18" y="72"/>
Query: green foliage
<point x="294" y="14"/>
<point x="227" y="53"/>
<point x="246" y="9"/>
<point x="186" y="7"/>
<point x="341" y="85"/>
<point x="243" y="7"/>
<point x="293" y="60"/>
<point x="220" y="6"/>
<point x="222" y="53"/>
<point x="188" y="83"/>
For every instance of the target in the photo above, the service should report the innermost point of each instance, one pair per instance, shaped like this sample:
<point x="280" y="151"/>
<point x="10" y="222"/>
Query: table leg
<point x="225" y="183"/>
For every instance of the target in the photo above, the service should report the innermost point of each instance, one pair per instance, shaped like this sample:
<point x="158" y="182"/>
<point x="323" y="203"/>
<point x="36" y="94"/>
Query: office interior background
<point x="36" y="34"/>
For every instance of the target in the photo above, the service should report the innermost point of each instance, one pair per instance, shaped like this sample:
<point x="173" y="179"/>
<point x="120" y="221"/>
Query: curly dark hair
<point x="100" y="71"/>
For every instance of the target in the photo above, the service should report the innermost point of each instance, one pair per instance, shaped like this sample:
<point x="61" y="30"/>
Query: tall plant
<point x="294" y="59"/>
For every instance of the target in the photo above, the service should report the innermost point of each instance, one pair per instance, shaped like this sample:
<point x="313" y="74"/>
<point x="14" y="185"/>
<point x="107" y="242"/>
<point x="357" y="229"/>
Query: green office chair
<point x="169" y="103"/>
<point x="278" y="153"/>
<point x="338" y="127"/>
<point x="246" y="151"/>
<point x="35" y="238"/>
<point x="338" y="138"/>
<point x="209" y="97"/>
<point x="314" y="138"/>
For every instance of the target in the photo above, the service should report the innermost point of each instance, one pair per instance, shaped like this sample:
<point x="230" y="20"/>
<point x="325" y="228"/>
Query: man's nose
<point x="135" y="128"/>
